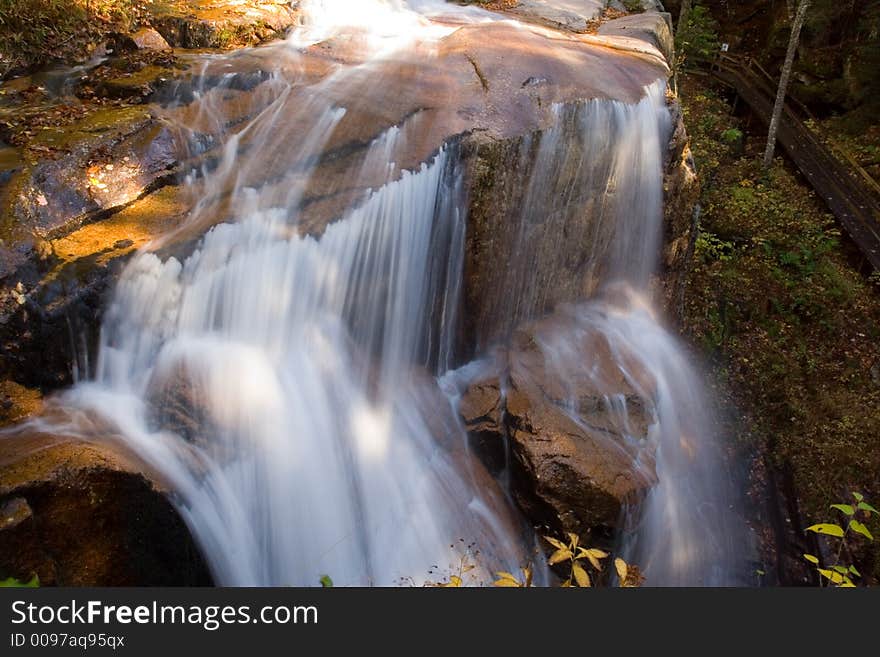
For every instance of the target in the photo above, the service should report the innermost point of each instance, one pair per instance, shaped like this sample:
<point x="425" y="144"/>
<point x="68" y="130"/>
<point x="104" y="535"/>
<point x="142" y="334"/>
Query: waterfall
<point x="584" y="206"/>
<point x="689" y="529"/>
<point x="604" y="160"/>
<point x="282" y="379"/>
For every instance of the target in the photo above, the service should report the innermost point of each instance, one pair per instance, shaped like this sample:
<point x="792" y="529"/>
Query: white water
<point x="688" y="531"/>
<point x="312" y="461"/>
<point x="280" y="383"/>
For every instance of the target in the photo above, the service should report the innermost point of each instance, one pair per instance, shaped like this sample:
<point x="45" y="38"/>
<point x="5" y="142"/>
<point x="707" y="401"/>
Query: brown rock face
<point x="51" y="310"/>
<point x="652" y="27"/>
<point x="78" y="514"/>
<point x="681" y="192"/>
<point x="481" y="85"/>
<point x="576" y="460"/>
<point x="77" y="174"/>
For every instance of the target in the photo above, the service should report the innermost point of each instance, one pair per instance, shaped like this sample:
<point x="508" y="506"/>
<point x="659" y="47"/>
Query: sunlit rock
<point x="79" y="514"/>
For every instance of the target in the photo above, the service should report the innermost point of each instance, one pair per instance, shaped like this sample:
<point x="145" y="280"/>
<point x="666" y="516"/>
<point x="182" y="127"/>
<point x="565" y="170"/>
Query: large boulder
<point x="575" y="426"/>
<point x="80" y="514"/>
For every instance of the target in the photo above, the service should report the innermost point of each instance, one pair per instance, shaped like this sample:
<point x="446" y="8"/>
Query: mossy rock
<point x="220" y="23"/>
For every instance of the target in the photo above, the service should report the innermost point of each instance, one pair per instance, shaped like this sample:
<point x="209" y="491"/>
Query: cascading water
<point x="307" y="448"/>
<point x="284" y="384"/>
<point x="605" y="159"/>
<point x="688" y="530"/>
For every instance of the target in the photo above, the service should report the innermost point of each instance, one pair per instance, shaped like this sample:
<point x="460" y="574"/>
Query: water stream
<point x="284" y="384"/>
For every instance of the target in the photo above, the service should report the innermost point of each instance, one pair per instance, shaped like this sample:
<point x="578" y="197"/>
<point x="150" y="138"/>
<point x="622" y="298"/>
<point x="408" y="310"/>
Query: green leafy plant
<point x="11" y="582"/>
<point x="710" y="247"/>
<point x="697" y="40"/>
<point x="842" y="572"/>
<point x="326" y="582"/>
<point x="731" y="135"/>
<point x="633" y="6"/>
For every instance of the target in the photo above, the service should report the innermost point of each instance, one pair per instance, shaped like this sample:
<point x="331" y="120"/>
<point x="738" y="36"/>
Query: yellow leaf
<point x="555" y="543"/>
<point x="566" y="584"/>
<point x="835" y="578"/>
<point x="527" y="575"/>
<point x="563" y="554"/>
<point x="573" y="538"/>
<point x="622" y="570"/>
<point x="594" y="555"/>
<point x="580" y="575"/>
<point x="454" y="581"/>
<point x="507" y="579"/>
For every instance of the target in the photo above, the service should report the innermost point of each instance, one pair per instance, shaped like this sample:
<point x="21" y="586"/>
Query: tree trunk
<point x="679" y="28"/>
<point x="683" y="16"/>
<point x="799" y="18"/>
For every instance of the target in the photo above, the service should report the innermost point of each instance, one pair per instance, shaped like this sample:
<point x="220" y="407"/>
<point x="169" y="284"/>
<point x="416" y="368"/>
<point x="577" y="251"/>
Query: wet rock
<point x="55" y="268"/>
<point x="482" y="408"/>
<point x="105" y="162"/>
<point x="79" y="514"/>
<point x="149" y="39"/>
<point x="568" y="15"/>
<point x="222" y="23"/>
<point x="681" y="193"/>
<point x="49" y="318"/>
<point x="11" y="164"/>
<point x="18" y="402"/>
<point x="575" y="462"/>
<point x="547" y="257"/>
<point x="176" y="404"/>
<point x="14" y="512"/>
<point x="135" y="86"/>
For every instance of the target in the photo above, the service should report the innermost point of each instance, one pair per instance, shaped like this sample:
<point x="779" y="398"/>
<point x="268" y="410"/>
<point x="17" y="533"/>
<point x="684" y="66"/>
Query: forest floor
<point x="40" y="33"/>
<point x="786" y="310"/>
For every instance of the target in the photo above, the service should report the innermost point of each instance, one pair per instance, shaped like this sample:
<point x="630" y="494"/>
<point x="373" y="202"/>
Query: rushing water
<point x="285" y="385"/>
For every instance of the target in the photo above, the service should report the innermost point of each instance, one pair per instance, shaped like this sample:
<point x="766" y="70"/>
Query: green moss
<point x="104" y="119"/>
